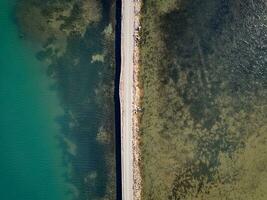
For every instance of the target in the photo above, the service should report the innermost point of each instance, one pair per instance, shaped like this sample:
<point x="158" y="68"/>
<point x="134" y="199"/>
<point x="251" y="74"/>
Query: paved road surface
<point x="126" y="91"/>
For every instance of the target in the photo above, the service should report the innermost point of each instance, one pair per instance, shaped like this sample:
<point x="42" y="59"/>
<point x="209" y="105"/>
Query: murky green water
<point x="204" y="122"/>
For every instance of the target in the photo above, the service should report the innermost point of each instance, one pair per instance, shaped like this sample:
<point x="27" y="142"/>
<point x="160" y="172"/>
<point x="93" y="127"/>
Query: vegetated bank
<point x="204" y="79"/>
<point x="77" y="44"/>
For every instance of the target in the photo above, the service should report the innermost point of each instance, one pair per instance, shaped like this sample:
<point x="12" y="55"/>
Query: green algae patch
<point x="203" y="74"/>
<point x="97" y="58"/>
<point x="44" y="19"/>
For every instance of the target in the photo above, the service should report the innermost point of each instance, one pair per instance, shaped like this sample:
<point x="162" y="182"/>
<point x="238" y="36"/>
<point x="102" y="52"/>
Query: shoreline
<point x="117" y="103"/>
<point x="136" y="123"/>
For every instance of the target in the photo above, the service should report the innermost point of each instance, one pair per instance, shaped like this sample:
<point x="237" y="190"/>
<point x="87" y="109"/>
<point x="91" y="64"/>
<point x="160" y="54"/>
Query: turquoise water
<point x="30" y="156"/>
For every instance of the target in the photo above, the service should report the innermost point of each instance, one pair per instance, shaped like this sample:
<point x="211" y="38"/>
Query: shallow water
<point x="30" y="156"/>
<point x="51" y="139"/>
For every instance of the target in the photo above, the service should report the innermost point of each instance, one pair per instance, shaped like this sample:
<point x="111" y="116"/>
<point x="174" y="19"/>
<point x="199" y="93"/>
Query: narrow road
<point x="126" y="96"/>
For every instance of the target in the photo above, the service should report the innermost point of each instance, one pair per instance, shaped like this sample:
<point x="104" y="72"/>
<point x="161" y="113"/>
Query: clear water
<point x="30" y="156"/>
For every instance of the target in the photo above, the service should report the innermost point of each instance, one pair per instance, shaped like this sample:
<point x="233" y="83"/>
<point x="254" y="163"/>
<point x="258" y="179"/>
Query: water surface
<point x="30" y="156"/>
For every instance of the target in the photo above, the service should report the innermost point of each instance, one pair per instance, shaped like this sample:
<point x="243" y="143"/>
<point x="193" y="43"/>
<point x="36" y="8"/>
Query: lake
<point x="57" y="117"/>
<point x="31" y="164"/>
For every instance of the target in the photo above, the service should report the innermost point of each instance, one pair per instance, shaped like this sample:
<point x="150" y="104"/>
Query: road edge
<point x="136" y="118"/>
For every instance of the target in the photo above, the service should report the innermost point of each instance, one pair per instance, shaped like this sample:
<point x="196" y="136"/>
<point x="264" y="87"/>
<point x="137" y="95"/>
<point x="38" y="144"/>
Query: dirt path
<point x="126" y="95"/>
<point x="128" y="91"/>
